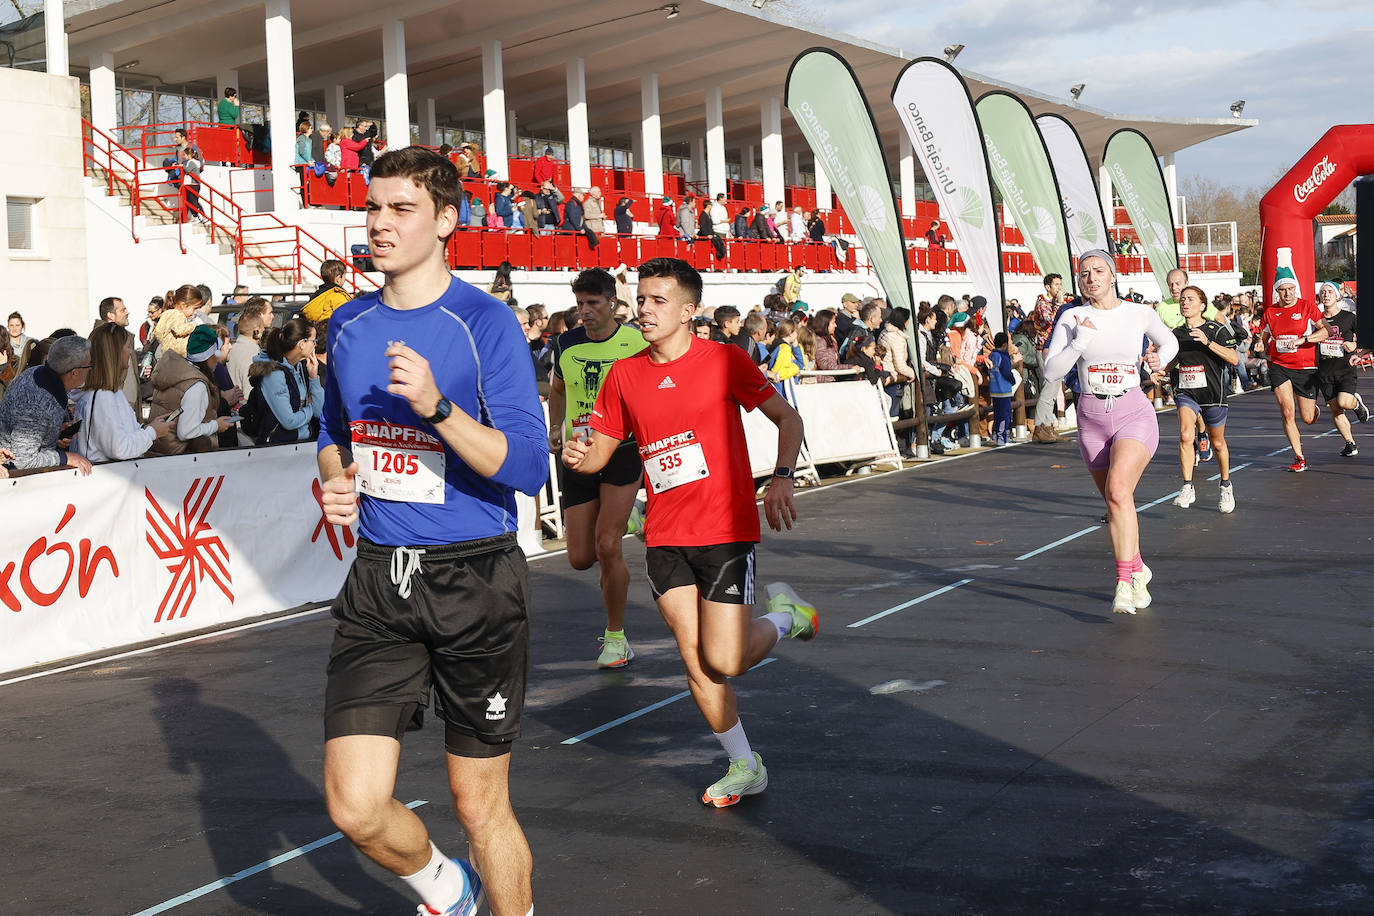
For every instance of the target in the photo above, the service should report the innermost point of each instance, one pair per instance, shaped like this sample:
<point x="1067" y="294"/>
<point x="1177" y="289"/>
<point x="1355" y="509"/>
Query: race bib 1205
<point x="399" y="463"/>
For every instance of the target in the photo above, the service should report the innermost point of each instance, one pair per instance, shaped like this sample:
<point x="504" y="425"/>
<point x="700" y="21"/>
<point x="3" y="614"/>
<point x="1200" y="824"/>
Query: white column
<point x="770" y="120"/>
<point x="794" y="168"/>
<point x="224" y="79"/>
<point x="334" y="107"/>
<point x="281" y="99"/>
<point x="715" y="142"/>
<point x="822" y="187"/>
<point x="906" y="163"/>
<point x="512" y="140"/>
<point x="395" y="84"/>
<point x="103" y="97"/>
<point x="651" y="133"/>
<point x="428" y="121"/>
<point x="1171" y="185"/>
<point x="55" y="37"/>
<point x="699" y="160"/>
<point x="579" y="147"/>
<point x="494" y="107"/>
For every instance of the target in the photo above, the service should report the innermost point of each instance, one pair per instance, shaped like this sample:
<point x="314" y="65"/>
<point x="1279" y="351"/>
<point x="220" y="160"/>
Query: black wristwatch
<point x="441" y="411"/>
<point x="784" y="473"/>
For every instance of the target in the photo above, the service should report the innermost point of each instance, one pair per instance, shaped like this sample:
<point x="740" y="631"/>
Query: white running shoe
<point x="1124" y="602"/>
<point x="1227" y="504"/>
<point x="1138" y="582"/>
<point x="1186" y="496"/>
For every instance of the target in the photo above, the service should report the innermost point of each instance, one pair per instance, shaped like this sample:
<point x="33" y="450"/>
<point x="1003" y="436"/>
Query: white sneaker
<point x="1186" y="496"/>
<point x="1138" y="582"/>
<point x="1227" y="503"/>
<point x="1124" y="602"/>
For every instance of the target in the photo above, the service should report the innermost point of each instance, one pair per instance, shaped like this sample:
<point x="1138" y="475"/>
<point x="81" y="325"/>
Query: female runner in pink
<point x="1117" y="429"/>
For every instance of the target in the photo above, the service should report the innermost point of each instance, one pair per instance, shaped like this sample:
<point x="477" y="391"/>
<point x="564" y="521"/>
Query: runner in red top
<point x="681" y="400"/>
<point x="1293" y="327"/>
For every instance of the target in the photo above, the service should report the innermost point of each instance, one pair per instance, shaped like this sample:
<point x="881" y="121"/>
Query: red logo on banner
<point x="85" y="568"/>
<point x="324" y="526"/>
<point x="187" y="544"/>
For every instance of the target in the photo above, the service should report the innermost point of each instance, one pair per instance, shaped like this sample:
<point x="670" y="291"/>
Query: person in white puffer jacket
<point x="109" y="429"/>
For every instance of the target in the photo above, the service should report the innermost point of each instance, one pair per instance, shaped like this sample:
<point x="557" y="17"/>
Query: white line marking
<point x="1151" y="505"/>
<point x="250" y="872"/>
<point x="906" y="604"/>
<point x="163" y="645"/>
<point x="1239" y="467"/>
<point x="1074" y="536"/>
<point x="577" y="739"/>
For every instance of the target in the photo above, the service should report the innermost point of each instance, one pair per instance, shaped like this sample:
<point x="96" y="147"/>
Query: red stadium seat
<point x="753" y="256"/>
<point x="541" y="251"/>
<point x="768" y="256"/>
<point x="811" y="256"/>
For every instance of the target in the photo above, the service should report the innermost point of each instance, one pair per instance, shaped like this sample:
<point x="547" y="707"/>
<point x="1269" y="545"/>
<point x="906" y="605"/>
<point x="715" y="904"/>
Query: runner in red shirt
<point x="1292" y="328"/>
<point x="681" y="401"/>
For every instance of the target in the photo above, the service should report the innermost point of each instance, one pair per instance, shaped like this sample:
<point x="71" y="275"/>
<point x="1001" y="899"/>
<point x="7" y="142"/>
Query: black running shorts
<point x="1332" y="384"/>
<point x="723" y="573"/>
<point x="1304" y="380"/>
<point x="624" y="468"/>
<point x="462" y="634"/>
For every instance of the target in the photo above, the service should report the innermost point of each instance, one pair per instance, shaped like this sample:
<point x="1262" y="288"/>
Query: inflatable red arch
<point x="1344" y="153"/>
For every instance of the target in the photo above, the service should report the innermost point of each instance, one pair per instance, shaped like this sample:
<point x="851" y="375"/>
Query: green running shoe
<point x="806" y="623"/>
<point x="635" y="525"/>
<point x="738" y="782"/>
<point x="615" y="652"/>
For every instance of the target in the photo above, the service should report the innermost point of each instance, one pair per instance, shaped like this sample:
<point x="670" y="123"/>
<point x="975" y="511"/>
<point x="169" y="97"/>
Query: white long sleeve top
<point x="109" y="430"/>
<point x="1108" y="354"/>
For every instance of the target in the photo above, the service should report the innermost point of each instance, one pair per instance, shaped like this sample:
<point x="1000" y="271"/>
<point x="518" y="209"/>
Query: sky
<point x="1301" y="66"/>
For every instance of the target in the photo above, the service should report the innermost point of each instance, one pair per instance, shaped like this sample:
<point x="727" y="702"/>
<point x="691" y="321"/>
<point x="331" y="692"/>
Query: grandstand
<point x="643" y="100"/>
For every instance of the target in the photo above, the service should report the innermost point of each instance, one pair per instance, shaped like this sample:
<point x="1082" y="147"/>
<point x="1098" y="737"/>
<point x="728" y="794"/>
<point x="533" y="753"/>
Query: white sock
<point x="780" y="620"/>
<point x="736" y="744"/>
<point x="440" y="884"/>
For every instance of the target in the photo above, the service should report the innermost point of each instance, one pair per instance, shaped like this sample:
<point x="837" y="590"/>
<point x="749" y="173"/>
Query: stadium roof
<point x="727" y="42"/>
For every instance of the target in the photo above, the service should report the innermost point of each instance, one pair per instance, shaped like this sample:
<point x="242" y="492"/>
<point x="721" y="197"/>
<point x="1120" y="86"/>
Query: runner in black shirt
<point x="1205" y="348"/>
<point x="1336" y="378"/>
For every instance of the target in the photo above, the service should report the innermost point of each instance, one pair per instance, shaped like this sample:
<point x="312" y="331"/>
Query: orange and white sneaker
<point x="740" y="780"/>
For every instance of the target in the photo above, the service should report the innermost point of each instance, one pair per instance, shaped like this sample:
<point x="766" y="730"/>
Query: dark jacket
<point x="32" y="415"/>
<point x="572" y="214"/>
<point x="816" y="229"/>
<point x="742" y="229"/>
<point x="624" y="222"/>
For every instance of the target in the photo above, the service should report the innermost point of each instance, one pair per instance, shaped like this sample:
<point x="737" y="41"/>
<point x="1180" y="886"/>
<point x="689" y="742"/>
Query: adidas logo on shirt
<point x="666" y="383"/>
<point x="732" y="590"/>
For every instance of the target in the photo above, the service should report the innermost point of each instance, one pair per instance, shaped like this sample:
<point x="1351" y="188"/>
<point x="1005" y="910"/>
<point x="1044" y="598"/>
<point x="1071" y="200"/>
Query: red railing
<point x="226" y="143"/>
<point x="257" y="238"/>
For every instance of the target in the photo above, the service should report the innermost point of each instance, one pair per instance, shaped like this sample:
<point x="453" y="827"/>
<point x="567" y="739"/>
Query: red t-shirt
<point x="685" y="416"/>
<point x="1286" y="327"/>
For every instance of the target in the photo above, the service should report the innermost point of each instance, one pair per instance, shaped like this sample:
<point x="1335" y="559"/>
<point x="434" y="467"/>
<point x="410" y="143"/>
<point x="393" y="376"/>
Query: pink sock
<point x="1124" y="570"/>
<point x="1137" y="564"/>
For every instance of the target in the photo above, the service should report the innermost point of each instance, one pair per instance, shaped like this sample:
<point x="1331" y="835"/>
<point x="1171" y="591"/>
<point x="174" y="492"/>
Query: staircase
<point x="268" y="254"/>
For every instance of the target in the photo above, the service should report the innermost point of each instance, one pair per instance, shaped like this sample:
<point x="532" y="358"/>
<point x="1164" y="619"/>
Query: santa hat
<point x="1284" y="275"/>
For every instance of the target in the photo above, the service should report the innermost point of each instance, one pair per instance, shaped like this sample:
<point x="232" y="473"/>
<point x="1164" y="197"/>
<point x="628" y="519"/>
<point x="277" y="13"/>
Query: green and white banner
<point x="1130" y="160"/>
<point x="1083" y="215"/>
<point x="934" y="105"/>
<point x="1021" y="167"/>
<point x="833" y="114"/>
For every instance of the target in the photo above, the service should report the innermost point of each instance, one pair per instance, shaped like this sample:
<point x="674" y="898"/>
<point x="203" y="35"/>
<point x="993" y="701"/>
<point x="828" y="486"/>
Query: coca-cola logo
<point x="1320" y="172"/>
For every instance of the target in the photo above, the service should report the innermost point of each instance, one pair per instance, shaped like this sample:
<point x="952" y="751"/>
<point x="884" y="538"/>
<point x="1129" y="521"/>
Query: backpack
<point x="258" y="419"/>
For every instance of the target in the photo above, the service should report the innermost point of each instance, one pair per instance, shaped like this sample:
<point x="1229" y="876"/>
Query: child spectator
<point x="178" y="319"/>
<point x="1002" y="384"/>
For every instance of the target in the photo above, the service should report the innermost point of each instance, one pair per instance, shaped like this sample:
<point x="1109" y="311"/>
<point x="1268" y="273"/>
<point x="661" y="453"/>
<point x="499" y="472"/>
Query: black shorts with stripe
<point x="451" y="621"/>
<point x="723" y="573"/>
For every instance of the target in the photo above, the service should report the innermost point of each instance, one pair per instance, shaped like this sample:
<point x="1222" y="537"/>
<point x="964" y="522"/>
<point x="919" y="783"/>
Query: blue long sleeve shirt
<point x="480" y="360"/>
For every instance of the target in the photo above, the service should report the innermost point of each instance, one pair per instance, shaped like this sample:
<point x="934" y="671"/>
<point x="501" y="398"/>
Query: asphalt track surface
<point x="1004" y="746"/>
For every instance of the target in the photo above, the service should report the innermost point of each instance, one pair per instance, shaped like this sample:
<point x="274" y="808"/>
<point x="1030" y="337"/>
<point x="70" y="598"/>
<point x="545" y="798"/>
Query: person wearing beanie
<point x="1290" y="330"/>
<point x="184" y="387"/>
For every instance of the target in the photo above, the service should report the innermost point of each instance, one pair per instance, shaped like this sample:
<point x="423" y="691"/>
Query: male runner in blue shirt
<point x="431" y="421"/>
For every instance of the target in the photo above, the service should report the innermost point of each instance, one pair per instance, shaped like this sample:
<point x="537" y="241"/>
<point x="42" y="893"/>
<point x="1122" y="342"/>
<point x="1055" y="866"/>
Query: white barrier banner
<point x="141" y="550"/>
<point x="845" y="421"/>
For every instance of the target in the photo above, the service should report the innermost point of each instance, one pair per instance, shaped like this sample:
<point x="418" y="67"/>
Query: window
<point x="20" y="218"/>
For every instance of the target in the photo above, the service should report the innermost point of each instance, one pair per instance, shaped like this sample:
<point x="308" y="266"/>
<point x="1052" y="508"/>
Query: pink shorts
<point x="1101" y="423"/>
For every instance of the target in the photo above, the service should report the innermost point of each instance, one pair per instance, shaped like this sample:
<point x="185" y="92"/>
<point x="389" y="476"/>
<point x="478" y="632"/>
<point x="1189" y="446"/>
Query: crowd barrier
<point x="142" y="550"/>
